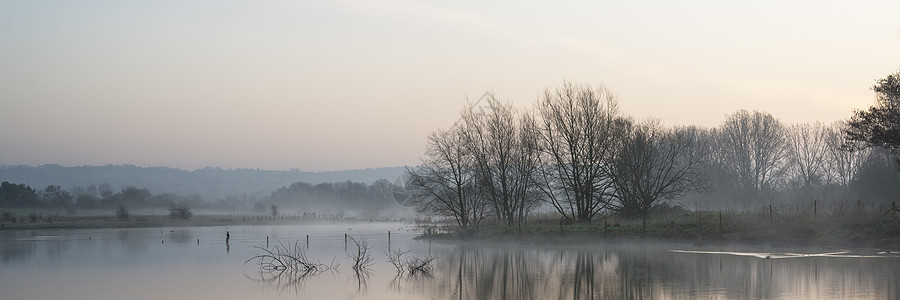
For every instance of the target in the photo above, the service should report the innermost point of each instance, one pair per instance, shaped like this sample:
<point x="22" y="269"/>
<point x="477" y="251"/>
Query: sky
<point x="335" y="85"/>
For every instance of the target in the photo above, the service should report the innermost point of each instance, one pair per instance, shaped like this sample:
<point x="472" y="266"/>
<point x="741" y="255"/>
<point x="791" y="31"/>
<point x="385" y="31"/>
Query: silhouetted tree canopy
<point x="55" y="195"/>
<point x="17" y="195"/>
<point x="879" y="126"/>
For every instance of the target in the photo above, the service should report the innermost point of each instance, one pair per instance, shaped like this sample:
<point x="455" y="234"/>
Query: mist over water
<point x="170" y="263"/>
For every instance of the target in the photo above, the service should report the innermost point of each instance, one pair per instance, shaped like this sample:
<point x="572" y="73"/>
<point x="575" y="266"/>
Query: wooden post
<point x="389" y="240"/>
<point x="720" y="222"/>
<point x="560" y="226"/>
<point x="815" y="208"/>
<point x="770" y="213"/>
<point x="267" y="241"/>
<point x="605" y="227"/>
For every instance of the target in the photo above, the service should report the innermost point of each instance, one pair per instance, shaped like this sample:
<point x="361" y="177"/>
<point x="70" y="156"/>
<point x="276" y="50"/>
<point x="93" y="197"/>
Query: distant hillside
<point x="209" y="182"/>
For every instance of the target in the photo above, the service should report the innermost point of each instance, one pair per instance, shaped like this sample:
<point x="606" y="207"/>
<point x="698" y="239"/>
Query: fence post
<point x="605" y="227"/>
<point x="815" y="208"/>
<point x="720" y="222"/>
<point x="770" y="213"/>
<point x="561" y="226"/>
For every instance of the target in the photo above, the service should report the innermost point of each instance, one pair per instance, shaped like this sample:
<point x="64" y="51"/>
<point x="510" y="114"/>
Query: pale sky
<point x="332" y="85"/>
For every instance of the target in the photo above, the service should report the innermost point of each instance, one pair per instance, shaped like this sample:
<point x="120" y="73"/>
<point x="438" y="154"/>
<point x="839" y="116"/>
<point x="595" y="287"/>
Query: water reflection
<point x="461" y="271"/>
<point x="362" y="280"/>
<point x="179" y="236"/>
<point x="638" y="271"/>
<point x="11" y="252"/>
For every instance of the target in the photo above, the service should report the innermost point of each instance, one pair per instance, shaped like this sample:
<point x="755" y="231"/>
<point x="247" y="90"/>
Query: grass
<point x="45" y="220"/>
<point x="834" y="225"/>
<point x="842" y="226"/>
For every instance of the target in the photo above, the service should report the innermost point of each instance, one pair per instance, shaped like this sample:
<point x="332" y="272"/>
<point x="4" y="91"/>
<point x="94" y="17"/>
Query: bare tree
<point x="753" y="147"/>
<point x="578" y="125"/>
<point x="445" y="181"/>
<point x="504" y="149"/>
<point x="845" y="157"/>
<point x="122" y="212"/>
<point x="652" y="164"/>
<point x="182" y="212"/>
<point x="807" y="153"/>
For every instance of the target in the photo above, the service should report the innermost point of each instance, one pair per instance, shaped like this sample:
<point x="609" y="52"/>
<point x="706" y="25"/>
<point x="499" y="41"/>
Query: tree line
<point x="20" y="195"/>
<point x="577" y="153"/>
<point x="299" y="195"/>
<point x="331" y="195"/>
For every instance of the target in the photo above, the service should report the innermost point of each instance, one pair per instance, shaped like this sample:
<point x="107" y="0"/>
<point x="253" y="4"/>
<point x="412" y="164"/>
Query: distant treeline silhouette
<point x="298" y="196"/>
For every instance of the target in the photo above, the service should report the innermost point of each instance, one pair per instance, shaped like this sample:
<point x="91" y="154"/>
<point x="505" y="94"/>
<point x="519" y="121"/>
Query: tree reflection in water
<point x="630" y="271"/>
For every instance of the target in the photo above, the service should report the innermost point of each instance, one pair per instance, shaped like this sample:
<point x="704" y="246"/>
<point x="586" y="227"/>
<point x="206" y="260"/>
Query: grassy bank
<point x="47" y="221"/>
<point x="848" y="227"/>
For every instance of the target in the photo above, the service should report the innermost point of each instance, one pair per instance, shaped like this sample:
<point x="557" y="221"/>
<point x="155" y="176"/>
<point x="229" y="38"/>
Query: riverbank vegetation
<point x="576" y="155"/>
<point x="862" y="225"/>
<point x="42" y="219"/>
<point x="344" y="199"/>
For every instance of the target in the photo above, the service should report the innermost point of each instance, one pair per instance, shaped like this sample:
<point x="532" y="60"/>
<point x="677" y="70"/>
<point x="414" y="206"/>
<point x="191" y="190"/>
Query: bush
<point x="8" y="217"/>
<point x="181" y="212"/>
<point x="122" y="212"/>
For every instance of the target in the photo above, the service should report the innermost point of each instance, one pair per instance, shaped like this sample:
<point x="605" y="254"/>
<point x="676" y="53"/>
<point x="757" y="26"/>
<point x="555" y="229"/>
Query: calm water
<point x="169" y="263"/>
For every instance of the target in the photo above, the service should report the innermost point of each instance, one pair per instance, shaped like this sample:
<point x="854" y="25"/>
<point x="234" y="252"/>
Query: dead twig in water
<point x="360" y="256"/>
<point x="290" y="259"/>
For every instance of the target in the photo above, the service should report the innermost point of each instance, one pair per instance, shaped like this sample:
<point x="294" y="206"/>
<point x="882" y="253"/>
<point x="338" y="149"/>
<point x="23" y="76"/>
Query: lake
<point x="170" y="263"/>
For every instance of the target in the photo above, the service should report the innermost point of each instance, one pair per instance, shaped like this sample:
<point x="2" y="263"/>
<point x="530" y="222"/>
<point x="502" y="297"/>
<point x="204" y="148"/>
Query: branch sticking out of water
<point x="396" y="259"/>
<point x="412" y="266"/>
<point x="288" y="258"/>
<point x="420" y="265"/>
<point x="360" y="256"/>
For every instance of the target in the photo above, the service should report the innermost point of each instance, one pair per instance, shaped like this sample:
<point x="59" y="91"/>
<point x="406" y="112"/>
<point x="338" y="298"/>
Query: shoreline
<point x="152" y="221"/>
<point x="701" y="228"/>
<point x="693" y="227"/>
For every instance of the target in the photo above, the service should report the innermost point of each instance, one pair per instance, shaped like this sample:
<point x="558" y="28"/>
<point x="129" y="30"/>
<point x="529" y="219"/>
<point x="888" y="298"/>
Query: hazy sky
<point x="328" y="85"/>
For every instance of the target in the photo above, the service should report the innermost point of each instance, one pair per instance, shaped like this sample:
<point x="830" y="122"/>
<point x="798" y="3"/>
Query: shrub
<point x="122" y="212"/>
<point x="8" y="217"/>
<point x="181" y="212"/>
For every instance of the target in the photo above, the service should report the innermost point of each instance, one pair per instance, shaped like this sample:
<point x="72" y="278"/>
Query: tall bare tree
<point x="578" y="123"/>
<point x="504" y="149"/>
<point x="652" y="164"/>
<point x="807" y="153"/>
<point x="753" y="147"/>
<point x="845" y="157"/>
<point x="445" y="181"/>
